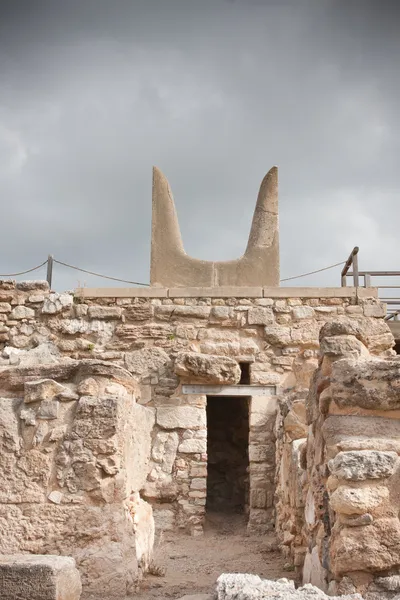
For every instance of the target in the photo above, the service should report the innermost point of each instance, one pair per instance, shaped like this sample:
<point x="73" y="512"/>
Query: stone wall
<point x="75" y="451"/>
<point x="166" y="338"/>
<point x="339" y="481"/>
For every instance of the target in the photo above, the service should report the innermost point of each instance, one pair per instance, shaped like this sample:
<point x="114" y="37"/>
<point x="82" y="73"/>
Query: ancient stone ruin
<point x="124" y="412"/>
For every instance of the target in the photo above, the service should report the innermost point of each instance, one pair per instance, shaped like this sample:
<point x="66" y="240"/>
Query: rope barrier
<point x="313" y="272"/>
<point x="59" y="262"/>
<point x="24" y="272"/>
<point x="99" y="275"/>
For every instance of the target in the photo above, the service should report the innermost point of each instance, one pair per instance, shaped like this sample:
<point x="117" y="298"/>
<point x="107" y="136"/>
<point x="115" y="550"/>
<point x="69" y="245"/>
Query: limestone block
<point x="164" y="449"/>
<point x="375" y="547"/>
<point x="44" y="389"/>
<point x="56" y="303"/>
<point x="5" y="307"/>
<point x="305" y="334"/>
<point x="28" y="285"/>
<point x="95" y="417"/>
<point x="356" y="520"/>
<point x="144" y="362"/>
<point x="301" y="313"/>
<point x="222" y="313"/>
<point x="22" y="312"/>
<point x="104" y="312"/>
<point x="205" y="368"/>
<point x="48" y="410"/>
<point x="144" y="332"/>
<point x="372" y="384"/>
<point x="351" y="432"/>
<point x="342" y="345"/>
<point x="277" y="335"/>
<point x="143" y="523"/>
<point x="313" y="571"/>
<point x="235" y="586"/>
<point x="181" y="417"/>
<point x="359" y="465"/>
<point x="88" y="387"/>
<point x="39" y="577"/>
<point x="375" y="310"/>
<point x="295" y="421"/>
<point x="139" y="312"/>
<point x="193" y="446"/>
<point x="348" y="500"/>
<point x="260" y="315"/>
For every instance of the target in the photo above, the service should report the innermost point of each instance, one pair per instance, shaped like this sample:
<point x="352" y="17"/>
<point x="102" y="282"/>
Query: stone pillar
<point x="262" y="462"/>
<point x="352" y="504"/>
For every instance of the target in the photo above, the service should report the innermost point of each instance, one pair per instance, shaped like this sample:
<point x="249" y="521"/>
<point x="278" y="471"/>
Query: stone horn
<point x="172" y="267"/>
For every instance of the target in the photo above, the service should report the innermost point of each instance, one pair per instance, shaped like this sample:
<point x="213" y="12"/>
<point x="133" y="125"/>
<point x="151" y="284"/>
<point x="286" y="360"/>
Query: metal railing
<point x="392" y="300"/>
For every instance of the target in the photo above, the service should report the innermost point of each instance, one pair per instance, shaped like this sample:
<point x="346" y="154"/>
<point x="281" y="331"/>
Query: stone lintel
<point x="228" y="292"/>
<point x="229" y="390"/>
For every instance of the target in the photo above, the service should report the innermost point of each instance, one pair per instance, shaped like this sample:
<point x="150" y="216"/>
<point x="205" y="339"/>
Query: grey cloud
<point x="94" y="93"/>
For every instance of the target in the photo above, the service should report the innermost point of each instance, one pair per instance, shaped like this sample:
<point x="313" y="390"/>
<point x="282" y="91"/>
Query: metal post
<point x="50" y="261"/>
<point x="367" y="280"/>
<point x="355" y="268"/>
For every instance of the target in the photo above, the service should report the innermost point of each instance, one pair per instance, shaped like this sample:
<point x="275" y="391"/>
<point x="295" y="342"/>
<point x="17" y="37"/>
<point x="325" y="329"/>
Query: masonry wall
<point x="156" y="337"/>
<point x="74" y="452"/>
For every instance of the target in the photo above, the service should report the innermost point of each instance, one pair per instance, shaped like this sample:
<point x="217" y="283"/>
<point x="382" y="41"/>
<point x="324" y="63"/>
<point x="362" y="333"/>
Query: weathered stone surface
<point x="88" y="387"/>
<point x="44" y="389"/>
<point x="302" y="312"/>
<point x="104" y="312"/>
<point x="181" y="417"/>
<point x="48" y="410"/>
<point x="259" y="265"/>
<point x="22" y="312"/>
<point x="37" y="577"/>
<point x="143" y="363"/>
<point x="164" y="449"/>
<point x="251" y="587"/>
<point x="260" y="315"/>
<point x="164" y="519"/>
<point x="375" y="547"/>
<point x="204" y="368"/>
<point x="192" y="446"/>
<point x="348" y="500"/>
<point x="295" y="421"/>
<point x="363" y="464"/>
<point x="342" y="345"/>
<point x="351" y="432"/>
<point x="56" y="303"/>
<point x="374" y="383"/>
<point x="28" y="286"/>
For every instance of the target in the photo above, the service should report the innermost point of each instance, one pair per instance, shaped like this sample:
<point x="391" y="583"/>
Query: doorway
<point x="228" y="454"/>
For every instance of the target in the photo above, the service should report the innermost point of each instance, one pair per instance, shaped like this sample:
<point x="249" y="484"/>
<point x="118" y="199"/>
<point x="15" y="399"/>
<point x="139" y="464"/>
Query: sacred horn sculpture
<point x="172" y="267"/>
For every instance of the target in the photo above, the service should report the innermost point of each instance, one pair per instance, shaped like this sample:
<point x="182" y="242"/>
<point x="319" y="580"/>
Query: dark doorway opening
<point x="228" y="454"/>
<point x="397" y="346"/>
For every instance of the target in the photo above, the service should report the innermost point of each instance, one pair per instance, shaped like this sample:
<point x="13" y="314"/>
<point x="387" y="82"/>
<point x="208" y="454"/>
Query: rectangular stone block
<point x="39" y="577"/>
<point x="215" y="292"/>
<point x="181" y="417"/>
<point x="314" y="292"/>
<point x="133" y="292"/>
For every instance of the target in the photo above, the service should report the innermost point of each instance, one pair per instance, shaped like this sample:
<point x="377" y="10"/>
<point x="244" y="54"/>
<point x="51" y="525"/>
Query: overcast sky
<point x="213" y="92"/>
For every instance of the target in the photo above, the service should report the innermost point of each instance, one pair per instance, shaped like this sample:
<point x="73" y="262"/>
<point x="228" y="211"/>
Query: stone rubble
<point x="251" y="587"/>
